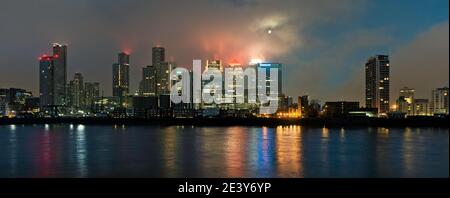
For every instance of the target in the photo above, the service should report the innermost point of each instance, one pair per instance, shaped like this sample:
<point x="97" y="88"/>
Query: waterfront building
<point x="147" y="86"/>
<point x="405" y="102"/>
<point x="377" y="71"/>
<point x="92" y="94"/>
<point x="439" y="101"/>
<point x="53" y="79"/>
<point x="421" y="107"/>
<point x="121" y="79"/>
<point x="340" y="108"/>
<point x="76" y="98"/>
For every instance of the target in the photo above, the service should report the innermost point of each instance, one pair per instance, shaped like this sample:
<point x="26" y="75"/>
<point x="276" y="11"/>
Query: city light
<point x="255" y="61"/>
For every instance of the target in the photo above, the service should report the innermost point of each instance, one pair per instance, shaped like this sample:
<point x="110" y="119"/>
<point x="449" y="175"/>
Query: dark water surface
<point x="177" y="151"/>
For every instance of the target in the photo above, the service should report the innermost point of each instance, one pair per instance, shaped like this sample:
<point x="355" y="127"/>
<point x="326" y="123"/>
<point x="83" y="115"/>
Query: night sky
<point x="322" y="44"/>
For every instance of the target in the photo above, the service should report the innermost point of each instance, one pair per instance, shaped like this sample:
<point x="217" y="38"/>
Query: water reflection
<point x="43" y="154"/>
<point x="186" y="151"/>
<point x="235" y="151"/>
<point x="264" y="145"/>
<point x="12" y="146"/>
<point x="170" y="151"/>
<point x="289" y="151"/>
<point x="81" y="151"/>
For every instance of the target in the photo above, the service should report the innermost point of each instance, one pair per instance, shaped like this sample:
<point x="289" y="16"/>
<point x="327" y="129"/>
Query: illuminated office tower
<point x="269" y="81"/>
<point x="267" y="67"/>
<point x="121" y="81"/>
<point x="377" y="83"/>
<point x="235" y="89"/>
<point x="216" y="88"/>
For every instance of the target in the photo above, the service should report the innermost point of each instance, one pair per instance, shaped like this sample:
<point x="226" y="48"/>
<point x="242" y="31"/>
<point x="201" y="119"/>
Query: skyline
<point x="301" y="43"/>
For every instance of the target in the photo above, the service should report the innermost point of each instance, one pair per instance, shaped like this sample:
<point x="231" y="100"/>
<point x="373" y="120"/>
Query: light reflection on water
<point x="186" y="151"/>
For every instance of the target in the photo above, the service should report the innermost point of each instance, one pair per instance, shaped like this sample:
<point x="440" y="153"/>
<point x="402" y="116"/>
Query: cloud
<point x="97" y="30"/>
<point x="422" y="64"/>
<point x="336" y="69"/>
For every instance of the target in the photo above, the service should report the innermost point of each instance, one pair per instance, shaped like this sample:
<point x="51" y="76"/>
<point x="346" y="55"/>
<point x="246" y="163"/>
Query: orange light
<point x="234" y="63"/>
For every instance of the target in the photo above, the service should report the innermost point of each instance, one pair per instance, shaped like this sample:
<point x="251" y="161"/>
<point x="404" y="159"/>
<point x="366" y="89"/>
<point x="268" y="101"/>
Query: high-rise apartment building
<point x="439" y="101"/>
<point x="121" y="79"/>
<point x="377" y="83"/>
<point x="53" y="78"/>
<point x="92" y="94"/>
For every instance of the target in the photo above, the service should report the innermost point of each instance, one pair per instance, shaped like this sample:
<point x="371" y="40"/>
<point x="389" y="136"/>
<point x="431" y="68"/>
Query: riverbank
<point x="270" y="122"/>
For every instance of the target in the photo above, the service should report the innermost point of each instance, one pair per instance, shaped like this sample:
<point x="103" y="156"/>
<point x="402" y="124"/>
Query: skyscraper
<point x="46" y="82"/>
<point x="208" y="87"/>
<point x="267" y="67"/>
<point x="76" y="92"/>
<point x="158" y="55"/>
<point x="377" y="83"/>
<point x="53" y="78"/>
<point x="162" y="69"/>
<point x="92" y="94"/>
<point x="60" y="73"/>
<point x="162" y="77"/>
<point x="270" y="80"/>
<point x="121" y="81"/>
<point x="439" y="101"/>
<point x="147" y="86"/>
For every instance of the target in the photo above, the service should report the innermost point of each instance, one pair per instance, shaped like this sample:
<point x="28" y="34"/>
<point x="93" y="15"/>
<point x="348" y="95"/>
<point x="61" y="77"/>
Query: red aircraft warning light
<point x="45" y="57"/>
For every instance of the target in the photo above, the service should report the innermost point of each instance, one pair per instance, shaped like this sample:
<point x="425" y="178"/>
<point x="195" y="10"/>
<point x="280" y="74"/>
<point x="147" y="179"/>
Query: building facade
<point x="13" y="101"/>
<point x="340" y="108"/>
<point x="439" y="101"/>
<point x="421" y="107"/>
<point x="269" y="80"/>
<point x="92" y="94"/>
<point x="405" y="102"/>
<point x="53" y="78"/>
<point x="76" y="98"/>
<point x="121" y="77"/>
<point x="377" y="70"/>
<point x="60" y="73"/>
<point x="147" y="86"/>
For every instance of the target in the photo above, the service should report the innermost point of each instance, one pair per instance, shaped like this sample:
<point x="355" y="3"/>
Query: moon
<point x="269" y="31"/>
